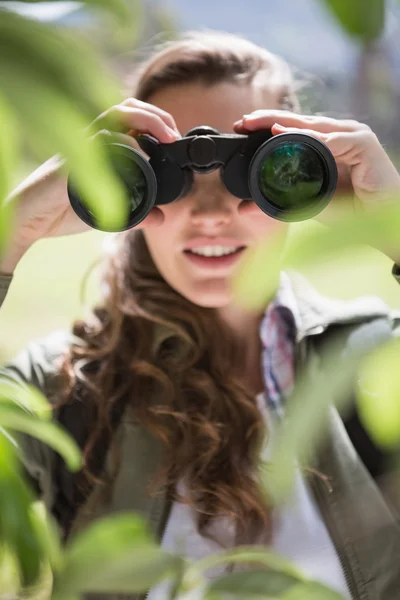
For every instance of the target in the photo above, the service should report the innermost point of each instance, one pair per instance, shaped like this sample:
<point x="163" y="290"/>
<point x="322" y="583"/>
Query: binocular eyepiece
<point x="290" y="176"/>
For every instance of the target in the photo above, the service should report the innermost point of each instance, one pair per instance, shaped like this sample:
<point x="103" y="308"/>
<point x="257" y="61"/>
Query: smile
<point x="212" y="257"/>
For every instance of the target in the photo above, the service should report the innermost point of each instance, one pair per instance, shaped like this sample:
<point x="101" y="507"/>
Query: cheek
<point x="263" y="226"/>
<point x="259" y="223"/>
<point x="162" y="241"/>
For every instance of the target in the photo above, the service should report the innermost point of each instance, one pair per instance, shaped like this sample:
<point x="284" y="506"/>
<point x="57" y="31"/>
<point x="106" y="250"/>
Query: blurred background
<point x="338" y="74"/>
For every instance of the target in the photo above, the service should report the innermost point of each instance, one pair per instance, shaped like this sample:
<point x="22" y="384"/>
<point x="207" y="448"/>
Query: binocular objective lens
<point x="134" y="180"/>
<point x="291" y="176"/>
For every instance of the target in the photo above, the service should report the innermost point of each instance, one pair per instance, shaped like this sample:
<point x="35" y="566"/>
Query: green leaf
<point x="259" y="555"/>
<point x="48" y="534"/>
<point x="16" y="418"/>
<point x="306" y="418"/>
<point x="9" y="153"/>
<point x="53" y="125"/>
<point x="116" y="554"/>
<point x="256" y="278"/>
<point x="26" y="396"/>
<point x="378" y="393"/>
<point x="9" y="576"/>
<point x="255" y="584"/>
<point x="56" y="59"/>
<point x="311" y="591"/>
<point x="257" y="275"/>
<point x="56" y="96"/>
<point x="17" y="530"/>
<point x="362" y="19"/>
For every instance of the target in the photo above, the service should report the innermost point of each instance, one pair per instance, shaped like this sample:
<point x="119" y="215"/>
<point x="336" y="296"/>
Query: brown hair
<point x="187" y="389"/>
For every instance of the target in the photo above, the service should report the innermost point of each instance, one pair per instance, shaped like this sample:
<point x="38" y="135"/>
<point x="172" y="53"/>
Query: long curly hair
<point x="185" y="385"/>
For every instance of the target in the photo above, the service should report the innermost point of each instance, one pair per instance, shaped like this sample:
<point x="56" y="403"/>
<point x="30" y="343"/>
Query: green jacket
<point x="364" y="529"/>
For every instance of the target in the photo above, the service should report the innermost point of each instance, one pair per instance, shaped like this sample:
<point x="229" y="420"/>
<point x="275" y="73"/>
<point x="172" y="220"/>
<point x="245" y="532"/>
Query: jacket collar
<point x="312" y="312"/>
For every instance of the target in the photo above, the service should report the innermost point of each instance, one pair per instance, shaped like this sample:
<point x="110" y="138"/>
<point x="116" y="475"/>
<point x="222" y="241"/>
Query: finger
<point x="261" y="119"/>
<point x="123" y="138"/>
<point x="143" y="121"/>
<point x="319" y="135"/>
<point x="164" y="115"/>
<point x="139" y="121"/>
<point x="349" y="148"/>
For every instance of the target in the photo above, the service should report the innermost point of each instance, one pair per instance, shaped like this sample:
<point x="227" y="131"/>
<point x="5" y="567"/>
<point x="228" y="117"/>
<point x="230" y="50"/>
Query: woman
<point x="169" y="387"/>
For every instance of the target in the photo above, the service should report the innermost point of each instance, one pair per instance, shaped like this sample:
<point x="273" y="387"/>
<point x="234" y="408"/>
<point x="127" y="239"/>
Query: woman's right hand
<point x="42" y="206"/>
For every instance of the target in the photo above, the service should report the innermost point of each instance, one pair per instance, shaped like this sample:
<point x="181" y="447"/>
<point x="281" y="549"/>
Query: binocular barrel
<point x="290" y="176"/>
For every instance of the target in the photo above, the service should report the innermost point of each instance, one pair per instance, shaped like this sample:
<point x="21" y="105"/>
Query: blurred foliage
<point x="378" y="393"/>
<point x="363" y="20"/>
<point x="348" y="230"/>
<point x="48" y="98"/>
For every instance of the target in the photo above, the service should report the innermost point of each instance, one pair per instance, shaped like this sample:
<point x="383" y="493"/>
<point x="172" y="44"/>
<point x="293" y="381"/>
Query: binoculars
<point x="290" y="176"/>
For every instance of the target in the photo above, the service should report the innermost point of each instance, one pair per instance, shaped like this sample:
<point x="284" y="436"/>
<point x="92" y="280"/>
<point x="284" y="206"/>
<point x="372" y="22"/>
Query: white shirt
<point x="299" y="532"/>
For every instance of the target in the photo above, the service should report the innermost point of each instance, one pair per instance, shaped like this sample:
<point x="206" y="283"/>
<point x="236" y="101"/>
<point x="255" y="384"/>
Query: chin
<point x="211" y="293"/>
<point x="209" y="299"/>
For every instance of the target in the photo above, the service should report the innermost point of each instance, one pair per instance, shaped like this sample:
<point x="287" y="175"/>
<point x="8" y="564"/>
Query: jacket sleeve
<point x="36" y="365"/>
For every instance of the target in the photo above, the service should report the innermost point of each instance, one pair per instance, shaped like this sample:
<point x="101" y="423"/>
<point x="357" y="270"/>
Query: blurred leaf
<point x="255" y="281"/>
<point x="255" y="584"/>
<point x="258" y="555"/>
<point x="56" y="59"/>
<point x="306" y="418"/>
<point x="311" y="591"/>
<point x="14" y="417"/>
<point x="56" y="95"/>
<point x="248" y="554"/>
<point x="52" y="125"/>
<point x="48" y="534"/>
<point x="9" y="152"/>
<point x="116" y="554"/>
<point x="9" y="578"/>
<point x="137" y="571"/>
<point x="378" y="394"/>
<point x="257" y="275"/>
<point x="26" y="396"/>
<point x="362" y="19"/>
<point x="17" y="530"/>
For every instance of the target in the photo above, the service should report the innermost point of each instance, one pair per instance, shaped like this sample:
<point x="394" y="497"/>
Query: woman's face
<point x="208" y="216"/>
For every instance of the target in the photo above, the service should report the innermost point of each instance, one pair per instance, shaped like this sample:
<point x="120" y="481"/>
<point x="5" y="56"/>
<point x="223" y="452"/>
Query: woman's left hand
<point x="365" y="170"/>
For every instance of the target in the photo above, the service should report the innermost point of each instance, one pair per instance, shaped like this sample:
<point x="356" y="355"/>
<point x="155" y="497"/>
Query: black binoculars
<point x="290" y="176"/>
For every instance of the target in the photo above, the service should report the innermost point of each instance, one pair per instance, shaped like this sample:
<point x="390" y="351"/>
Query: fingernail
<point x="172" y="134"/>
<point x="251" y="117"/>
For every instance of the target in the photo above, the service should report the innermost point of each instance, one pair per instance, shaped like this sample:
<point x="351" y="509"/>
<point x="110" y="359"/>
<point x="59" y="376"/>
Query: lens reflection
<point x="291" y="176"/>
<point x="133" y="179"/>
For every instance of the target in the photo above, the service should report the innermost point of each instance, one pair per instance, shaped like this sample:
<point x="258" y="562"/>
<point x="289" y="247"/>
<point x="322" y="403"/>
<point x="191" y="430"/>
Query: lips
<point x="214" y="262"/>
<point x="199" y="242"/>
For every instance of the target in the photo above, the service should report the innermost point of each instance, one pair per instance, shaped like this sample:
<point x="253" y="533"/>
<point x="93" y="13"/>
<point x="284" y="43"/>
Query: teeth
<point x="214" y="250"/>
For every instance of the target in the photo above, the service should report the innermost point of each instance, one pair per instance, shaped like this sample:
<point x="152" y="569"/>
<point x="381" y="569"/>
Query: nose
<point x="212" y="205"/>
